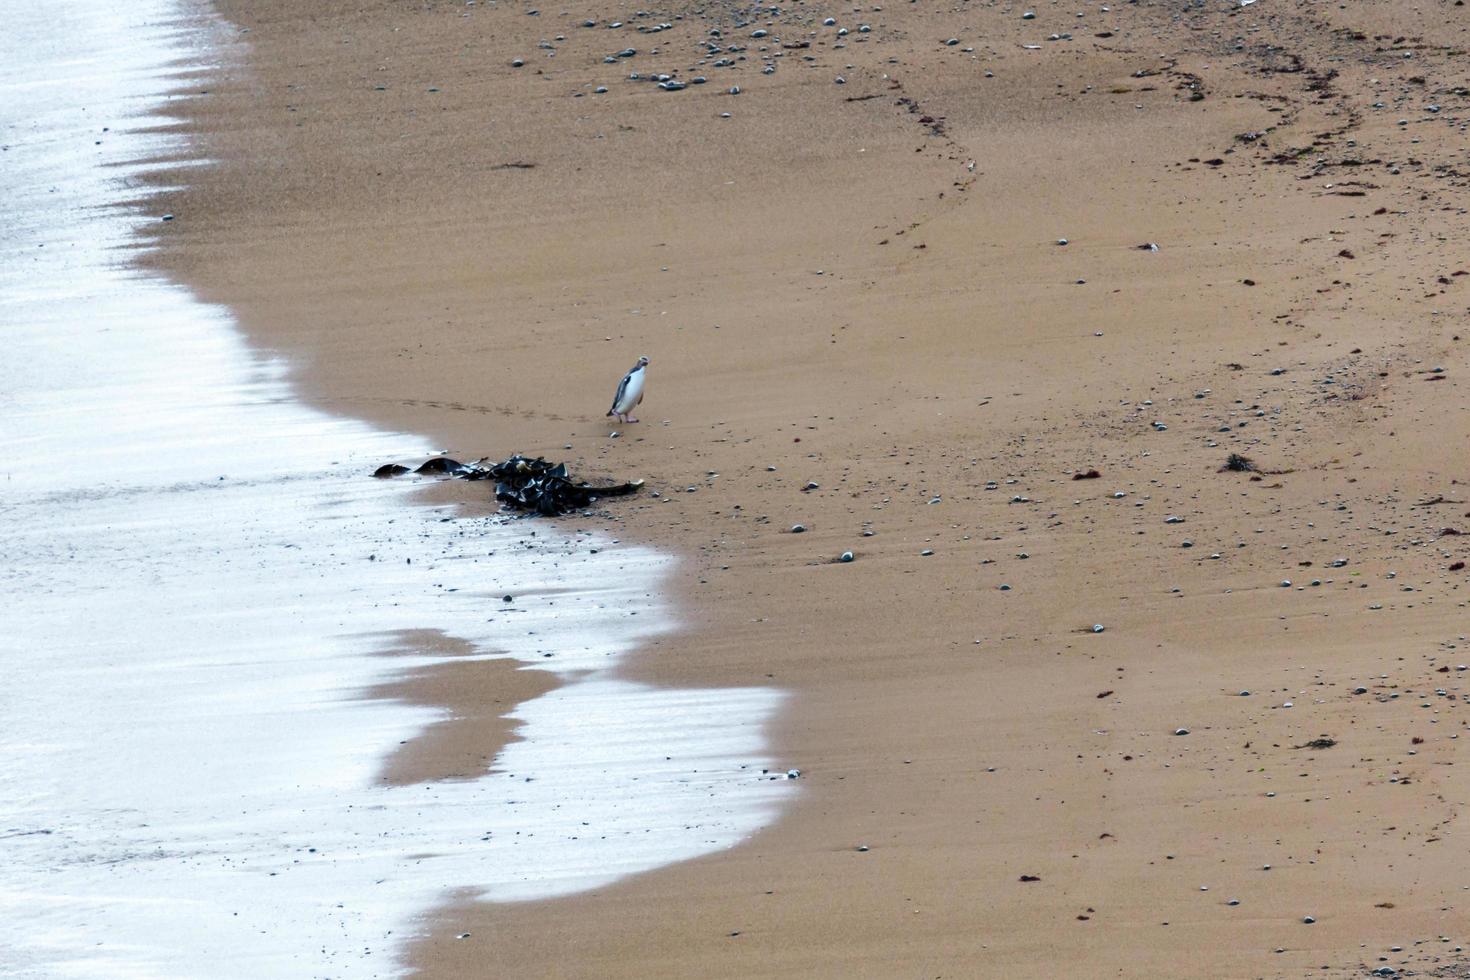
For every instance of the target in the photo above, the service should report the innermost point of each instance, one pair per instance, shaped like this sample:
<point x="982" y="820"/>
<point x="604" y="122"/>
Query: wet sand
<point x="446" y="243"/>
<point x="230" y="736"/>
<point x="480" y="698"/>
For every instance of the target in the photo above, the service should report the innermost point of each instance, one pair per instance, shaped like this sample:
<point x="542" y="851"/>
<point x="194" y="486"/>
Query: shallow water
<point x="198" y="580"/>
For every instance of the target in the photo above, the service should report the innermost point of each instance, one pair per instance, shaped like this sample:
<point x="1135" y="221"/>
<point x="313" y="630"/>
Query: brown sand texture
<point x="851" y="274"/>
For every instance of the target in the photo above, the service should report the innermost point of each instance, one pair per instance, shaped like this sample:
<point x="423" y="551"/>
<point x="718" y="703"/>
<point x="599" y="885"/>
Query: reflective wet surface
<point x="200" y="579"/>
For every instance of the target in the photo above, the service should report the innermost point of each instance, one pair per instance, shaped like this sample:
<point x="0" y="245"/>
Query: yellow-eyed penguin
<point x="630" y="392"/>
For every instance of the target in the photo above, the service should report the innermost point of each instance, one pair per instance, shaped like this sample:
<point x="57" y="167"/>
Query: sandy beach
<point x="908" y="289"/>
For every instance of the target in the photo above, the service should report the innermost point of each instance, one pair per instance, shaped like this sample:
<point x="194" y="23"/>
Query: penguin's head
<point x="642" y="361"/>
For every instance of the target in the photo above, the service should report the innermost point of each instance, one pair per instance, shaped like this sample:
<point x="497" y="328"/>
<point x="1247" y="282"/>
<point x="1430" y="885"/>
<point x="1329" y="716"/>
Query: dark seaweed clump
<point x="533" y="485"/>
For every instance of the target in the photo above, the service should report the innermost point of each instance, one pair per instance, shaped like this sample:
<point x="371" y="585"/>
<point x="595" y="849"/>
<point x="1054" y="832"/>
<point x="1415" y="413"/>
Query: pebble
<point x="798" y="528"/>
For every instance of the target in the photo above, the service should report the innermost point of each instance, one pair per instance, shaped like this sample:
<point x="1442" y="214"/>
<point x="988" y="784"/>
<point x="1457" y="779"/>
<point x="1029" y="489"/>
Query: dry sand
<point x="451" y="244"/>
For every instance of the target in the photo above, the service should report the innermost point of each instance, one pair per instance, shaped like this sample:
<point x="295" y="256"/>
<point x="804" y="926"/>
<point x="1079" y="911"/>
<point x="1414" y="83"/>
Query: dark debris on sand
<point x="520" y="483"/>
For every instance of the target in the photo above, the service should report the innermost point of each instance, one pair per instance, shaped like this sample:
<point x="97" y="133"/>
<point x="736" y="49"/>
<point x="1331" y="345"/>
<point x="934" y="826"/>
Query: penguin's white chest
<point x="632" y="395"/>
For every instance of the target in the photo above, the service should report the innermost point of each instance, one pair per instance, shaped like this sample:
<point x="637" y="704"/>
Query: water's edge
<point x="191" y="769"/>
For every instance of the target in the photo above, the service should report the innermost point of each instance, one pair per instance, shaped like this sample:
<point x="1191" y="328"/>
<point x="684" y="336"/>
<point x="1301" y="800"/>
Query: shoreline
<point x="966" y="734"/>
<point x="216" y="616"/>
